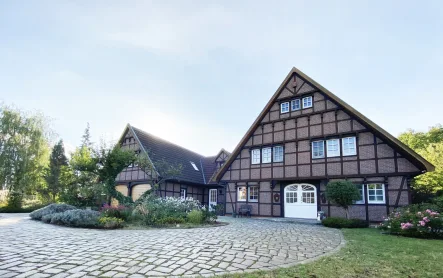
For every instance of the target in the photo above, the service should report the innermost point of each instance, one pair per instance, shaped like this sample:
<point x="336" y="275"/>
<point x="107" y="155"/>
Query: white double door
<point x="301" y="201"/>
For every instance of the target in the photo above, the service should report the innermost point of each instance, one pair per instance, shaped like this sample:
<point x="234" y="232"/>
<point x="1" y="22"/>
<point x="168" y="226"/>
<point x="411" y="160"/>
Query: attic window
<point x="193" y="165"/>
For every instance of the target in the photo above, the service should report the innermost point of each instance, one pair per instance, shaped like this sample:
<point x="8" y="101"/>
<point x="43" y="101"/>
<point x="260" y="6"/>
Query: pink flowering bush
<point x="410" y="222"/>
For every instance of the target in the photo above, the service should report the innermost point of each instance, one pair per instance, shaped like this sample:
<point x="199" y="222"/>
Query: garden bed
<point x="151" y="212"/>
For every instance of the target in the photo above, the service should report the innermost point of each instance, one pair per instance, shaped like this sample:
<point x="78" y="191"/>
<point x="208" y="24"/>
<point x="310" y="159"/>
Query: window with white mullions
<point x="253" y="194"/>
<point x="349" y="146"/>
<point x="266" y="155"/>
<point x="376" y="193"/>
<point x="284" y="107"/>
<point x="295" y="104"/>
<point x="361" y="191"/>
<point x="278" y="153"/>
<point x="255" y="156"/>
<point x="318" y="149"/>
<point x="183" y="194"/>
<point x="307" y="102"/>
<point x="333" y="147"/>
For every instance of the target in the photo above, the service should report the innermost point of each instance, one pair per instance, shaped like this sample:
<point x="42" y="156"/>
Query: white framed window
<point x="241" y="194"/>
<point x="318" y="149"/>
<point x="183" y="193"/>
<point x="361" y="190"/>
<point x="284" y="107"/>
<point x="266" y="155"/>
<point x="307" y="102"/>
<point x="255" y="156"/>
<point x="333" y="147"/>
<point x="278" y="154"/>
<point x="349" y="146"/>
<point x="295" y="104"/>
<point x="376" y="193"/>
<point x="194" y="166"/>
<point x="253" y="194"/>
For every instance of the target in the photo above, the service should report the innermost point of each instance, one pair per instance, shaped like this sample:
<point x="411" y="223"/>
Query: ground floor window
<point x="360" y="188"/>
<point x="241" y="194"/>
<point x="183" y="193"/>
<point x="253" y="194"/>
<point x="376" y="193"/>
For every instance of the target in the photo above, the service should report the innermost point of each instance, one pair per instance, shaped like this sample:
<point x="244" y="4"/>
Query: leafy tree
<point x="56" y="162"/>
<point x="82" y="187"/>
<point x="430" y="146"/>
<point x="342" y="193"/>
<point x="86" y="138"/>
<point x="24" y="152"/>
<point x="110" y="162"/>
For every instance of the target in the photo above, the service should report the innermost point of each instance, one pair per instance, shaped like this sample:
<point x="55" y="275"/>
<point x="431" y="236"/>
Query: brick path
<point x="33" y="249"/>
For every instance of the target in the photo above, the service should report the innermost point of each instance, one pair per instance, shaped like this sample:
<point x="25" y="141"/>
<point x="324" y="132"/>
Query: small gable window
<point x="266" y="155"/>
<point x="278" y="153"/>
<point x="194" y="166"/>
<point x="307" y="102"/>
<point x="318" y="149"/>
<point x="255" y="156"/>
<point x="295" y="104"/>
<point x="284" y="107"/>
<point x="349" y="146"/>
<point x="333" y="147"/>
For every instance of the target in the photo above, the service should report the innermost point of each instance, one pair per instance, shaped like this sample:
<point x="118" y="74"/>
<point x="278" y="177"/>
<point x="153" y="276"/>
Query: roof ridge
<point x="166" y="141"/>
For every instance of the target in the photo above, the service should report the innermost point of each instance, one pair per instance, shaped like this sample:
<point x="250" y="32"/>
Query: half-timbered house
<point x="193" y="180"/>
<point x="306" y="137"/>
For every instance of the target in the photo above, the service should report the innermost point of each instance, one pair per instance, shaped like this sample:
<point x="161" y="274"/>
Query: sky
<point x="198" y="73"/>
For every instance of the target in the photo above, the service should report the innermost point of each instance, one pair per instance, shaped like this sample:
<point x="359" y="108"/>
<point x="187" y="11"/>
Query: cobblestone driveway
<point x="35" y="249"/>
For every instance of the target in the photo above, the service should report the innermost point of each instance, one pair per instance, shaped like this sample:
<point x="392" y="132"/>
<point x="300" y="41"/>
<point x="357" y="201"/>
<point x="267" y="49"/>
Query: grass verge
<point x="368" y="253"/>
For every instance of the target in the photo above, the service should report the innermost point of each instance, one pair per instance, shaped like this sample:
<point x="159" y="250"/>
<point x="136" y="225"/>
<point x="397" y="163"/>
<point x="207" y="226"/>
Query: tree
<point x="86" y="138"/>
<point x="430" y="146"/>
<point x="24" y="152"/>
<point x="342" y="193"/>
<point x="110" y="162"/>
<point x="56" y="162"/>
<point x="82" y="187"/>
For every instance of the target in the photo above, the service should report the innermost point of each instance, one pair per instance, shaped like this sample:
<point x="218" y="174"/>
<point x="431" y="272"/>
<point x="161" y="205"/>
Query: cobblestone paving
<point x="33" y="249"/>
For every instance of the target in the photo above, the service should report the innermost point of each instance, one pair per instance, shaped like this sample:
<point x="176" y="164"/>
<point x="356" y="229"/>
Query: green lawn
<point x="370" y="254"/>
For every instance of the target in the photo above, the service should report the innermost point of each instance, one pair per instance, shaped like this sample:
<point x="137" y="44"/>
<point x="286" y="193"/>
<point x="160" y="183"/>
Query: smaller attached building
<point x="193" y="181"/>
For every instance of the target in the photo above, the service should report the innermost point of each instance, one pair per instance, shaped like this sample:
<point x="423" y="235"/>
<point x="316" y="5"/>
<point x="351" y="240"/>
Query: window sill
<point x="318" y="157"/>
<point x="350" y="155"/>
<point x="243" y="201"/>
<point x="376" y="203"/>
<point x="252" y="201"/>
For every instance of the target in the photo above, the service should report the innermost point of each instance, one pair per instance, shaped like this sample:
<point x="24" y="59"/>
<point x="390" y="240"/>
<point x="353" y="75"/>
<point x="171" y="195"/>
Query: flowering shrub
<point x="169" y="210"/>
<point x="111" y="222"/>
<point x="409" y="222"/>
<point x="121" y="212"/>
<point x="51" y="209"/>
<point x="74" y="218"/>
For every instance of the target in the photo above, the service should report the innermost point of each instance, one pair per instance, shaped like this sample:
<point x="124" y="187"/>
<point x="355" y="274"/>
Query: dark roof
<point x="424" y="164"/>
<point x="159" y="150"/>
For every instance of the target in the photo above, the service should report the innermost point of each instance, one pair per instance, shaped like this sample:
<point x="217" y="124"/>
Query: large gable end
<point x="271" y="124"/>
